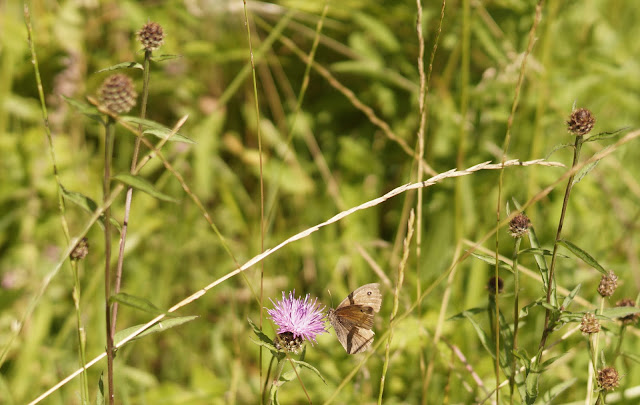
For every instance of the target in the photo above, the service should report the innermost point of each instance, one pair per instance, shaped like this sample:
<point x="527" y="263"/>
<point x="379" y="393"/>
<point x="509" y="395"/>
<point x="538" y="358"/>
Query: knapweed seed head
<point x="580" y="122"/>
<point x="151" y="36"/>
<point x="629" y="319"/>
<point x="80" y="250"/>
<point x="118" y="94"/>
<point x="608" y="284"/>
<point x="519" y="226"/>
<point x="608" y="378"/>
<point x="491" y="285"/>
<point x="589" y="324"/>
<point x="302" y="318"/>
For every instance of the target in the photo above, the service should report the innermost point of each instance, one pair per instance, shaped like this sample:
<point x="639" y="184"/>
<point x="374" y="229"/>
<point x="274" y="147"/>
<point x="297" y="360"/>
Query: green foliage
<point x="351" y="141"/>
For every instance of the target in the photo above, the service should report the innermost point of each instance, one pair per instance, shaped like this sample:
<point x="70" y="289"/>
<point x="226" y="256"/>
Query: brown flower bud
<point x="491" y="285"/>
<point x="589" y="324"/>
<point x="117" y="93"/>
<point x="519" y="226"/>
<point x="151" y="36"/>
<point x="581" y="122"/>
<point x="629" y="319"/>
<point x="80" y="250"/>
<point x="608" y="378"/>
<point x="608" y="284"/>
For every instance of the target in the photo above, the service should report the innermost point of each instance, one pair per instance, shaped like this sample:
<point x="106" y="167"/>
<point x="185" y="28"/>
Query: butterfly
<point x="353" y="318"/>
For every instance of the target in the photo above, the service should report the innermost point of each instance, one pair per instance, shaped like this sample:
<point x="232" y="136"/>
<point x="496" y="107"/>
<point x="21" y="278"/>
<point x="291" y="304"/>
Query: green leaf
<point x="605" y="135"/>
<point x="85" y="109"/>
<point x="123" y="65"/>
<point x="161" y="58"/>
<point x="540" y="251"/>
<point x="555" y="391"/>
<point x="542" y="267"/>
<point x="136" y="302"/>
<point x="619" y="312"/>
<point x="632" y="356"/>
<point x="557" y="148"/>
<point x="143" y="185"/>
<point x="310" y="367"/>
<point x="166" y="134"/>
<point x="158" y="327"/>
<point x="473" y="311"/>
<point x="581" y="254"/>
<point x="156" y="129"/>
<point x="492" y="261"/>
<point x="569" y="298"/>
<point x="265" y="341"/>
<point x="484" y="338"/>
<point x="88" y="205"/>
<point x="100" y="392"/>
<point x="583" y="172"/>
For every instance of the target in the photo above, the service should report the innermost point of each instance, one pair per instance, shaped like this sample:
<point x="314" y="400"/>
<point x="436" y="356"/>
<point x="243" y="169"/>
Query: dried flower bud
<point x="151" y="36"/>
<point x="581" y="122"/>
<point x="80" y="250"/>
<point x="629" y="319"/>
<point x="608" y="378"/>
<point x="608" y="284"/>
<point x="491" y="285"/>
<point x="287" y="343"/>
<point x="117" y="93"/>
<point x="519" y="226"/>
<point x="589" y="324"/>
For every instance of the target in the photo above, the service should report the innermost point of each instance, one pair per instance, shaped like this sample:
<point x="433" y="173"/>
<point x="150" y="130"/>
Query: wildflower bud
<point x="117" y="93"/>
<point x="519" y="226"/>
<point x="608" y="378"/>
<point x="589" y="324"/>
<point x="581" y="122"/>
<point x="288" y="343"/>
<point x="629" y="319"/>
<point x="80" y="250"/>
<point x="151" y="36"/>
<point x="608" y="284"/>
<point x="491" y="285"/>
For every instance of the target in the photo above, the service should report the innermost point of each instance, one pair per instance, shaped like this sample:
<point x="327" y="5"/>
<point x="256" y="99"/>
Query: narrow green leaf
<point x="581" y="254"/>
<point x="88" y="205"/>
<point x="85" y="109"/>
<point x="166" y="134"/>
<point x="161" y="58"/>
<point x="484" y="338"/>
<point x="310" y="367"/>
<point x="605" y="135"/>
<point x="557" y="148"/>
<point x="492" y="261"/>
<point x="549" y="396"/>
<point x="540" y="251"/>
<point x="261" y="335"/>
<point x="462" y="315"/>
<point x="136" y="302"/>
<point x="123" y="65"/>
<point x="158" y="327"/>
<point x="143" y="185"/>
<point x="632" y="356"/>
<point x="619" y="312"/>
<point x="569" y="298"/>
<point x="156" y="129"/>
<point x="100" y="392"/>
<point x="583" y="172"/>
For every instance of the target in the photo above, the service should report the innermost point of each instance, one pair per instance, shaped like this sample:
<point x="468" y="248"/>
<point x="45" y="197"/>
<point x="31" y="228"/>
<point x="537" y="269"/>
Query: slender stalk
<point x="551" y="288"/>
<point x="516" y="315"/>
<point x="84" y="386"/>
<point x="106" y="191"/>
<point x="129" y="197"/>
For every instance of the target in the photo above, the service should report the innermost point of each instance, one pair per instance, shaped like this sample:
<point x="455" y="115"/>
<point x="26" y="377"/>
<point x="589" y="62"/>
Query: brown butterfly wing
<point x="353" y="319"/>
<point x="368" y="295"/>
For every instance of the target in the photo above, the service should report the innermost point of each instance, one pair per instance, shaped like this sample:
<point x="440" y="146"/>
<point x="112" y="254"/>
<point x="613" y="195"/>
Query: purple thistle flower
<point x="302" y="318"/>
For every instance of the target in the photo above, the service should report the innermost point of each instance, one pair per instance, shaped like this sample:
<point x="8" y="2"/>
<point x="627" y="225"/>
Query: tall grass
<point x="296" y="142"/>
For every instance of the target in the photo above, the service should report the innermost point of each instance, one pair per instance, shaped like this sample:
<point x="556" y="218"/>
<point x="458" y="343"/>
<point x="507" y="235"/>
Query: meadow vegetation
<point x="195" y="162"/>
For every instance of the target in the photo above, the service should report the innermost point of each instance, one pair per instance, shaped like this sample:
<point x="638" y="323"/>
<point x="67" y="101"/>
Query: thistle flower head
<point x="117" y="93"/>
<point x="302" y="318"/>
<point x="519" y="226"/>
<point x="151" y="36"/>
<point x="608" y="284"/>
<point x="581" y="122"/>
<point x="608" y="378"/>
<point x="589" y="324"/>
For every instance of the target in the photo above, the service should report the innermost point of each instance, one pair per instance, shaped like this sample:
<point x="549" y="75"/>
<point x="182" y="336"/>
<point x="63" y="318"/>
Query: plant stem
<point x="516" y="314"/>
<point x="129" y="197"/>
<point x="551" y="283"/>
<point x="106" y="191"/>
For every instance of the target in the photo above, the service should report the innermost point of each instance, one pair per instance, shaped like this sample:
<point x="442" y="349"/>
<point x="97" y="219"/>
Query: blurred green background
<point x="585" y="52"/>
